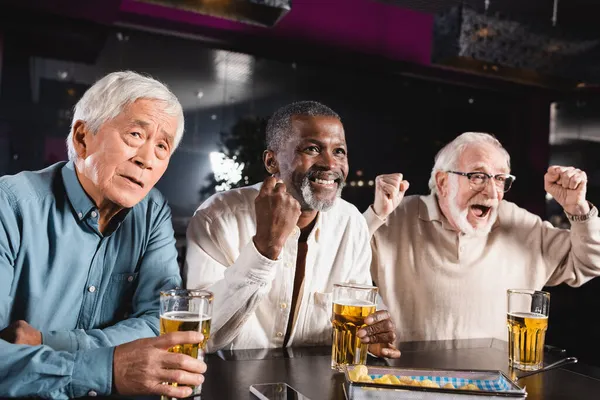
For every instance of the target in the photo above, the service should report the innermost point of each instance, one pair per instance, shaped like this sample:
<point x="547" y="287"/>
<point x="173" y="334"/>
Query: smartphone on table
<point x="276" y="391"/>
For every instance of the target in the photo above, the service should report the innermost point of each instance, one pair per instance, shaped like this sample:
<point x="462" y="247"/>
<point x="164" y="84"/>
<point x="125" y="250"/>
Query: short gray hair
<point x="447" y="158"/>
<point x="279" y="127"/>
<point x="107" y="98"/>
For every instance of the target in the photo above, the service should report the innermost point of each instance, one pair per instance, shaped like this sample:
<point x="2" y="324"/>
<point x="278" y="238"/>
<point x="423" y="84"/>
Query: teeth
<point x="324" y="182"/>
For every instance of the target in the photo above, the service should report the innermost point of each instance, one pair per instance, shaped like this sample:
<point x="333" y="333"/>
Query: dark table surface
<point x="230" y="373"/>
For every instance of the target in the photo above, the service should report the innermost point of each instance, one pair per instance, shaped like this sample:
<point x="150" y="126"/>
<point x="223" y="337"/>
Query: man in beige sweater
<point x="443" y="262"/>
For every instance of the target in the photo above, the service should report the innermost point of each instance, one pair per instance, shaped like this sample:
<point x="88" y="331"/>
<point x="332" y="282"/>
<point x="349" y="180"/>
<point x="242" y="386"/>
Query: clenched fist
<point x="20" y="332"/>
<point x="389" y="192"/>
<point x="568" y="186"/>
<point x="277" y="214"/>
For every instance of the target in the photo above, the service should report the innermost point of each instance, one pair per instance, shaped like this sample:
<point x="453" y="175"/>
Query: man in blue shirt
<point x="86" y="247"/>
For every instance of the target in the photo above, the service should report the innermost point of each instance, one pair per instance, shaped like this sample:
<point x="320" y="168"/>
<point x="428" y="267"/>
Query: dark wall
<point x="393" y="123"/>
<point x="575" y="141"/>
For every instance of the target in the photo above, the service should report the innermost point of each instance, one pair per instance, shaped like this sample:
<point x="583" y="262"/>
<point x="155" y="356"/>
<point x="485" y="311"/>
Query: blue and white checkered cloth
<point x="496" y="385"/>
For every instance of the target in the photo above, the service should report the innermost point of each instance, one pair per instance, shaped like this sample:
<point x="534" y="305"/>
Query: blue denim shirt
<point x="85" y="291"/>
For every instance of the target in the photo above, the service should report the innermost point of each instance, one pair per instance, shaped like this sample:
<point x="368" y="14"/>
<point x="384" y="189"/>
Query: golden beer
<point x="183" y="321"/>
<point x="526" y="334"/>
<point x="347" y="318"/>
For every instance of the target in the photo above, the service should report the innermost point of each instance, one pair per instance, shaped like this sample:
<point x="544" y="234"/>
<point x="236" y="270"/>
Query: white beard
<point x="313" y="203"/>
<point x="460" y="216"/>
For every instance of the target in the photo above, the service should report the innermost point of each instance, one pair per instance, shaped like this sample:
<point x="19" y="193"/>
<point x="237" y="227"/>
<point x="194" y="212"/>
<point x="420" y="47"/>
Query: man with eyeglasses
<point x="443" y="262"/>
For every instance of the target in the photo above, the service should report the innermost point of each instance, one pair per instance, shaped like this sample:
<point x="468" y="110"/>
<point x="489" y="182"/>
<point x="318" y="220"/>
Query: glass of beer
<point x="527" y="324"/>
<point x="187" y="310"/>
<point x="352" y="303"/>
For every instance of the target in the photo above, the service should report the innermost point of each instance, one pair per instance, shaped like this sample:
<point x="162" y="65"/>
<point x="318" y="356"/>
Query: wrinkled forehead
<point x="483" y="157"/>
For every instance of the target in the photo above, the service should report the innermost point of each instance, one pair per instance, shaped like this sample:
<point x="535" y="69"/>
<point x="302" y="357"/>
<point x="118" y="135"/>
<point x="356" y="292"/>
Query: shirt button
<point x="92" y="393"/>
<point x="92" y="289"/>
<point x="130" y="278"/>
<point x="283" y="305"/>
<point x="461" y="248"/>
<point x="94" y="214"/>
<point x="80" y="215"/>
<point x="288" y="264"/>
<point x="279" y="334"/>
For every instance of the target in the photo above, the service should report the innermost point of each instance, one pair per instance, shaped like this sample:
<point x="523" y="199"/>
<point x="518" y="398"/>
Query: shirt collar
<point x="78" y="198"/>
<point x="315" y="234"/>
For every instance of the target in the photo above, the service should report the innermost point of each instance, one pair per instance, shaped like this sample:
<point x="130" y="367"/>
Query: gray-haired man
<point x="86" y="247"/>
<point x="443" y="262"/>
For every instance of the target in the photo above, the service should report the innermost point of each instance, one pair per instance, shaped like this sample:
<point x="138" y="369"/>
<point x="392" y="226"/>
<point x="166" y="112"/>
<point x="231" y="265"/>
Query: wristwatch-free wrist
<point x="580" y="218"/>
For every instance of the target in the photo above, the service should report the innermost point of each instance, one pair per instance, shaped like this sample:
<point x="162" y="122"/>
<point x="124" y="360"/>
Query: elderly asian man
<point x="444" y="261"/>
<point x="85" y="248"/>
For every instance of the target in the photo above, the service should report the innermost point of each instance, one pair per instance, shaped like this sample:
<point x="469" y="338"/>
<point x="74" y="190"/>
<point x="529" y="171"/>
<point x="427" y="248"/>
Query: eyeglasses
<point x="479" y="180"/>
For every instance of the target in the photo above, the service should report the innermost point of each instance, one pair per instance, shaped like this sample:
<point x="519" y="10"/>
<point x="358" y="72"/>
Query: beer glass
<point x="352" y="303"/>
<point x="527" y="322"/>
<point x="187" y="310"/>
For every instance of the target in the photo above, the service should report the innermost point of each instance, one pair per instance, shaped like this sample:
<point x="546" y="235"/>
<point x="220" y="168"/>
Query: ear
<point x="441" y="182"/>
<point x="80" y="137"/>
<point x="270" y="162"/>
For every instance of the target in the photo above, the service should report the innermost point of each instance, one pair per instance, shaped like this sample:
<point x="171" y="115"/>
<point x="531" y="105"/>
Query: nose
<point x="491" y="189"/>
<point x="328" y="160"/>
<point x="144" y="157"/>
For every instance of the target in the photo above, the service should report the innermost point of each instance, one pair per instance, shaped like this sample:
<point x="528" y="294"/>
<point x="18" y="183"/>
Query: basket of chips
<point x="375" y="382"/>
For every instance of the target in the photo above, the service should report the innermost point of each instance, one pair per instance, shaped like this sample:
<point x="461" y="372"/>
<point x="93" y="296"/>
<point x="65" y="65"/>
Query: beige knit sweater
<point x="439" y="284"/>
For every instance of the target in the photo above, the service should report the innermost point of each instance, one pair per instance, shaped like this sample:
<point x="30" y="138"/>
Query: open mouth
<point x="480" y="211"/>
<point x="133" y="180"/>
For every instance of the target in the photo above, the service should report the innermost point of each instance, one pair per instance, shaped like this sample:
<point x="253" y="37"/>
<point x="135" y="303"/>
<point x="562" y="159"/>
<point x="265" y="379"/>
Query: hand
<point x="389" y="192"/>
<point x="380" y="334"/>
<point x="568" y="186"/>
<point x="277" y="214"/>
<point x="140" y="367"/>
<point x="20" y="332"/>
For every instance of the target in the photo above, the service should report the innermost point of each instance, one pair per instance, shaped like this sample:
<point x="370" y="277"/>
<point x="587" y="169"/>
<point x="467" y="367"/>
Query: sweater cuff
<point x="60" y="340"/>
<point x="374" y="221"/>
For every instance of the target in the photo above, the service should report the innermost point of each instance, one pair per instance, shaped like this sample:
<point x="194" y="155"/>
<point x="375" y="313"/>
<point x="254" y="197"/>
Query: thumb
<point x="554" y="171"/>
<point x="553" y="175"/>
<point x="404" y="185"/>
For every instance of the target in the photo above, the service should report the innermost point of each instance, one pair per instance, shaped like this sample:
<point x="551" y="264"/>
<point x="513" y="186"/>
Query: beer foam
<point x="185" y="316"/>
<point x="354" y="303"/>
<point x="528" y="315"/>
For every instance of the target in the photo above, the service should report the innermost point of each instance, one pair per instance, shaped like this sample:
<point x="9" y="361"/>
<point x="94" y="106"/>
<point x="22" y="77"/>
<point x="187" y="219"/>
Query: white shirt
<point x="253" y="294"/>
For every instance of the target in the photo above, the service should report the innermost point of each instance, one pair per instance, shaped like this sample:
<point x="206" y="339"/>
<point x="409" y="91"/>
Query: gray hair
<point x="279" y="127"/>
<point x="110" y="95"/>
<point x="447" y="158"/>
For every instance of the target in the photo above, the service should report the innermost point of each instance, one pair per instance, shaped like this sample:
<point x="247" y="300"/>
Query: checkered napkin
<point x="496" y="385"/>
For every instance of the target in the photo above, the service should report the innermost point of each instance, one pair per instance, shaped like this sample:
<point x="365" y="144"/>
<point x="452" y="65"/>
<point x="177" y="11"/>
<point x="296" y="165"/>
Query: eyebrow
<point x="145" y="124"/>
<point x="318" y="142"/>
